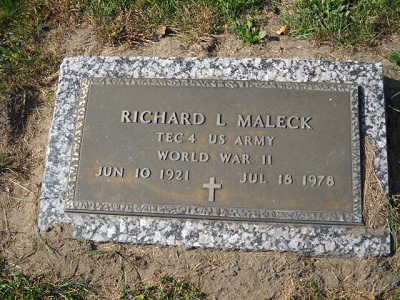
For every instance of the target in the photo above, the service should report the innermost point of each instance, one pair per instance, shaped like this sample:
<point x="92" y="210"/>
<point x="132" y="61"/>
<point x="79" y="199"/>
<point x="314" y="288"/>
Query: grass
<point x="14" y="285"/>
<point x="251" y="32"/>
<point x="124" y="21"/>
<point x="23" y="23"/>
<point x="393" y="113"/>
<point x="394" y="216"/>
<point x="23" y="62"/>
<point x="308" y="289"/>
<point x="395" y="57"/>
<point x="344" y="22"/>
<point x="167" y="288"/>
<point x="6" y="163"/>
<point x="10" y="166"/>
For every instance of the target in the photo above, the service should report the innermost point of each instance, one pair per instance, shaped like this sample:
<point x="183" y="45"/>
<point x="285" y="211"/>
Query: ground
<point x="220" y="274"/>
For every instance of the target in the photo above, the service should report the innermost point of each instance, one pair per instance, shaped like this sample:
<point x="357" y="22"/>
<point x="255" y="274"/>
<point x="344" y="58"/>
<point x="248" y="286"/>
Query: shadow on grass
<point x="20" y="105"/>
<point x="392" y="94"/>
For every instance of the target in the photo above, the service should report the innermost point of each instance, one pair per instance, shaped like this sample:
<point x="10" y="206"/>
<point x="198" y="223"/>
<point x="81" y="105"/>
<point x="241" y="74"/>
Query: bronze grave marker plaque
<point x="217" y="149"/>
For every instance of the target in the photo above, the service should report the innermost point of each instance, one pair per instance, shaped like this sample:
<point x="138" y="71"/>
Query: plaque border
<point x="244" y="214"/>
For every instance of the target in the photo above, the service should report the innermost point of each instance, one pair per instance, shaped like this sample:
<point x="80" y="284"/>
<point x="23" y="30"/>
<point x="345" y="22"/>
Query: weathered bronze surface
<point x="241" y="150"/>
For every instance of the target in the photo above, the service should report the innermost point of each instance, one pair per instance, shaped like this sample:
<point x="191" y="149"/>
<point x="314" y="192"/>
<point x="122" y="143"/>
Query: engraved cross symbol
<point x="212" y="186"/>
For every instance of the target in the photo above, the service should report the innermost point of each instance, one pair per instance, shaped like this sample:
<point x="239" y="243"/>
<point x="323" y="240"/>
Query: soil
<point x="220" y="274"/>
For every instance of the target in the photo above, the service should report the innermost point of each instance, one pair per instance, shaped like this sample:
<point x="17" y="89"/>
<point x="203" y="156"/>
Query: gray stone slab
<point x="307" y="239"/>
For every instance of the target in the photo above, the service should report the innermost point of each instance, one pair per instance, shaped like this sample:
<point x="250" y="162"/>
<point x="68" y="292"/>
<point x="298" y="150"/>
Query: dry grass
<point x="359" y="22"/>
<point x="200" y="20"/>
<point x="375" y="200"/>
<point x="18" y="159"/>
<point x="128" y="27"/>
<point x="308" y="289"/>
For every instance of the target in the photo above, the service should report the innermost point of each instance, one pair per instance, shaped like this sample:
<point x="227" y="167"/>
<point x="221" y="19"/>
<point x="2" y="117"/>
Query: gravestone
<point x="248" y="154"/>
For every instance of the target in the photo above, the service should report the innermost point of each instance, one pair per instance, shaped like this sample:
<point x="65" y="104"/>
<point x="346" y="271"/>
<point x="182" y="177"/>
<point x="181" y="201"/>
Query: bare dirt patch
<point x="220" y="274"/>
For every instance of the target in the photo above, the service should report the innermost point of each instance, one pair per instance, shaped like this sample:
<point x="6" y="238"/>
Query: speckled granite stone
<point x="310" y="240"/>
